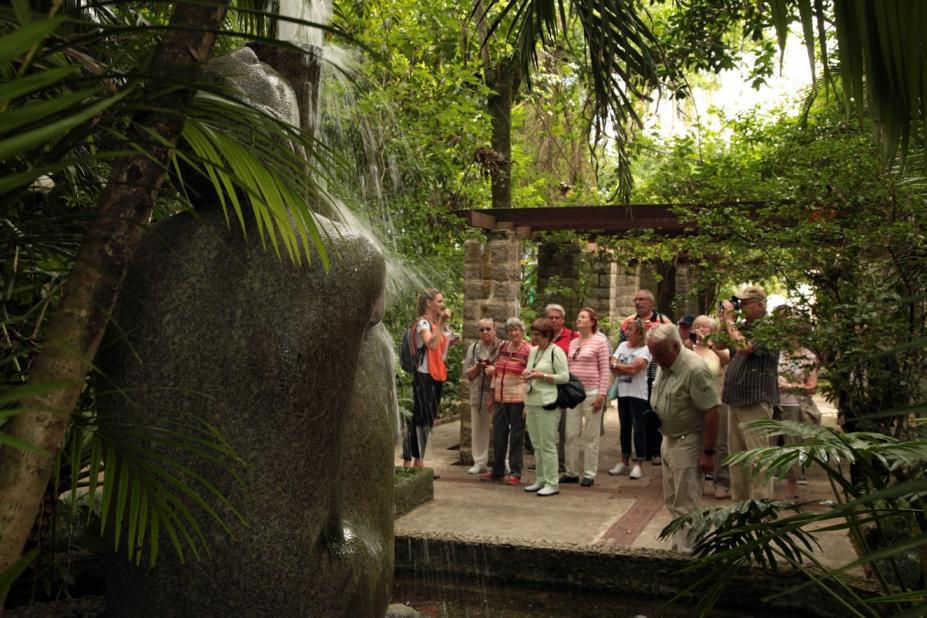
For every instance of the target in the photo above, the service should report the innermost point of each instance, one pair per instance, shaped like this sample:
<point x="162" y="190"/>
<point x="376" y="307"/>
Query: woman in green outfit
<point x="547" y="367"/>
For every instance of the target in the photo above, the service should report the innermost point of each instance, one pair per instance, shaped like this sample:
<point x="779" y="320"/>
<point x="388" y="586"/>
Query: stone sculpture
<point x="289" y="364"/>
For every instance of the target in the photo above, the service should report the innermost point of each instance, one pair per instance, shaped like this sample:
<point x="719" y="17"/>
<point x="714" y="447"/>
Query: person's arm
<point x="432" y="337"/>
<point x="472" y="367"/>
<point x="740" y="343"/>
<point x="560" y="371"/>
<point x="604" y="373"/>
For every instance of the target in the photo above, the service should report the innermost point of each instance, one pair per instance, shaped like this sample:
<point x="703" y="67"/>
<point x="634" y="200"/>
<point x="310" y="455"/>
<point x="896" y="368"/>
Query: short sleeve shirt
<point x="636" y="385"/>
<point x="421" y="328"/>
<point x="682" y="394"/>
<point x="752" y="378"/>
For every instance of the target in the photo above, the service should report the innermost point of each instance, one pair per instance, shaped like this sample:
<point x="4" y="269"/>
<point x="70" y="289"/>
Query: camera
<point x="734" y="301"/>
<point x="693" y="337"/>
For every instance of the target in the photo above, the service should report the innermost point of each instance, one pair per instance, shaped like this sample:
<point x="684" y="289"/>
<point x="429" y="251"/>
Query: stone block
<point x="505" y="290"/>
<point x="476" y="289"/>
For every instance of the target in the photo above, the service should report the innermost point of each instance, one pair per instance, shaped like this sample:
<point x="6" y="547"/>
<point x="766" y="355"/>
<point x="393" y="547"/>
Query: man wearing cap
<point x="750" y="387"/>
<point x="685" y="330"/>
<point x="686" y="401"/>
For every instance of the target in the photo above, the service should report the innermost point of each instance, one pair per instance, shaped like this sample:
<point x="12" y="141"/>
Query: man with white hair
<point x="686" y="401"/>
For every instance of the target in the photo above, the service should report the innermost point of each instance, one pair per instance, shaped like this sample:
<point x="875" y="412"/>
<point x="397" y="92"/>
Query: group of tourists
<point x="684" y="393"/>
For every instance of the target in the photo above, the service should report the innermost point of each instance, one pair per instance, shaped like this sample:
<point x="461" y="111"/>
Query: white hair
<point x="514" y="322"/>
<point x="664" y="332"/>
<point x="555" y="307"/>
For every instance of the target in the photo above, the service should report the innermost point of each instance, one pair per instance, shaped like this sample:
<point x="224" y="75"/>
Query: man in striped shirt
<point x="750" y="388"/>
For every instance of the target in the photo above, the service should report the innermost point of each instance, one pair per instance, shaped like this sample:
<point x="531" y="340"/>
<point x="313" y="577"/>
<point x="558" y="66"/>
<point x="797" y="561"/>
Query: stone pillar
<point x="598" y="291"/>
<point x="558" y="276"/>
<point x="627" y="282"/>
<point x="687" y="297"/>
<point x="492" y="281"/>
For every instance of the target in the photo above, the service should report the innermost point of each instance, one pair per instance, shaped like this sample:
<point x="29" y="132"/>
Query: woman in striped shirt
<point x="508" y="422"/>
<point x="588" y="359"/>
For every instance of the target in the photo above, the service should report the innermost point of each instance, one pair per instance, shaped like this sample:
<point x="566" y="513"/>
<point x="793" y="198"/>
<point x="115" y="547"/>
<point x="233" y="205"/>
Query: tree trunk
<point x="74" y="333"/>
<point x="503" y="79"/>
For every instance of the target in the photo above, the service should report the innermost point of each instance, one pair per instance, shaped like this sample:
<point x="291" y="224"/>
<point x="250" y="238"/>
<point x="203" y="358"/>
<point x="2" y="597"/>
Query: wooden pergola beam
<point x="595" y="219"/>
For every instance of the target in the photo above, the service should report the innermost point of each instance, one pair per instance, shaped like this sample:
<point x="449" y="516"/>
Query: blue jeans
<point x="631" y="416"/>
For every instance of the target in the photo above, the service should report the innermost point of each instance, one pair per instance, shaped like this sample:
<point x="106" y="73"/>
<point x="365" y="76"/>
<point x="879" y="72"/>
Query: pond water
<point x="462" y="599"/>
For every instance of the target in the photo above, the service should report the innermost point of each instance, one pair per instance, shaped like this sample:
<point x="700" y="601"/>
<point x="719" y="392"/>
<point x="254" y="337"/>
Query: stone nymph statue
<point x="289" y="364"/>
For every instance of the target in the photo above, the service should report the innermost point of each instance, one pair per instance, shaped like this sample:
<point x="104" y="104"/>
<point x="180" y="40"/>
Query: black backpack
<point x="409" y="353"/>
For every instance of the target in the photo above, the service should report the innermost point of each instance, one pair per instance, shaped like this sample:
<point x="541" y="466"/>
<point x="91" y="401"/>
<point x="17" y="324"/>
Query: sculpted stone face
<point x="289" y="365"/>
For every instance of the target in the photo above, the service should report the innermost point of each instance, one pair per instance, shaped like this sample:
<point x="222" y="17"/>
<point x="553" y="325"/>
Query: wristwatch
<point x="709" y="451"/>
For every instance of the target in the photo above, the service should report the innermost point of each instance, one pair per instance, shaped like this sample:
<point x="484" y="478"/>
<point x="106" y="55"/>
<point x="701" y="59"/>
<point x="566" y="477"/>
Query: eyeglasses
<point x="486" y="330"/>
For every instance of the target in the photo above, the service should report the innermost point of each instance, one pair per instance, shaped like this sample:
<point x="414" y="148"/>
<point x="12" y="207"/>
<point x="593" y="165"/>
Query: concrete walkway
<point x="615" y="510"/>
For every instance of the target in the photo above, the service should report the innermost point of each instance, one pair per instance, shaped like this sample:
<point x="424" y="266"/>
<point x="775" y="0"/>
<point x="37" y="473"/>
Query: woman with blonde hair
<point x="629" y="364"/>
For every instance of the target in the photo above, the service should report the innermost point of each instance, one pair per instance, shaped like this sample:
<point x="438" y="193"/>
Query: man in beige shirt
<point x="686" y="401"/>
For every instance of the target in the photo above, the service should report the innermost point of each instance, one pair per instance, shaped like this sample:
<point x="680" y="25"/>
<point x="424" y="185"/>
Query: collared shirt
<point x="752" y="378"/>
<point x="682" y="394"/>
<point x="656" y="318"/>
<point x="566" y="336"/>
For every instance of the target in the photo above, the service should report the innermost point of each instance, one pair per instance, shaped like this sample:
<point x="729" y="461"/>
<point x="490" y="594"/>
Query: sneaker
<point x="587" y="482"/>
<point x="513" y="480"/>
<point x="477" y="469"/>
<point x="489" y="476"/>
<point x="620" y="468"/>
<point x="534" y="487"/>
<point x="721" y="493"/>
<point x="569" y="479"/>
<point x="635" y="472"/>
<point x="657" y="461"/>
<point x="547" y="490"/>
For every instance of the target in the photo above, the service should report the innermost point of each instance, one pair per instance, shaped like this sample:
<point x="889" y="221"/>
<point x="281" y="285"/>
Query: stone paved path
<point x="615" y="510"/>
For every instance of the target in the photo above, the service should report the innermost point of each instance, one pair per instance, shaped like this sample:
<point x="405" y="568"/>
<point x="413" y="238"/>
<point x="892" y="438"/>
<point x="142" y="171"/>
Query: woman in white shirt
<point x="629" y="364"/>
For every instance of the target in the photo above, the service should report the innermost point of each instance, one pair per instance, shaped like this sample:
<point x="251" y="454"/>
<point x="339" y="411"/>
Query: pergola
<point x="492" y="267"/>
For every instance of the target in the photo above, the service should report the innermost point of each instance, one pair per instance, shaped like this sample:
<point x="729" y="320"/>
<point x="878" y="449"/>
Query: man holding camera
<point x="479" y="356"/>
<point x="750" y="386"/>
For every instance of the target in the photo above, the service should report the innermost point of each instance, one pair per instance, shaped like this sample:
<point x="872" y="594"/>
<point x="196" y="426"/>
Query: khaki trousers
<point x="682" y="482"/>
<point x="582" y="436"/>
<point x="479" y="433"/>
<point x="743" y="485"/>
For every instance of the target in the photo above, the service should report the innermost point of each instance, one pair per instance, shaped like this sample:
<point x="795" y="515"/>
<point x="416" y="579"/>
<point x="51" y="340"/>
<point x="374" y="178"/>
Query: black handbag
<point x="569" y="395"/>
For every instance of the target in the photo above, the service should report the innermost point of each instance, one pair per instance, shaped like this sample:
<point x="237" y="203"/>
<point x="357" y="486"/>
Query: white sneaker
<point x="476" y="469"/>
<point x="635" y="472"/>
<point x="547" y="490"/>
<point x="619" y="468"/>
<point x="534" y="487"/>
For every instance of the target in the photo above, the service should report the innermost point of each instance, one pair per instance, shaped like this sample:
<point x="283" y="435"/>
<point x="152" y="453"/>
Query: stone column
<point x="492" y="281"/>
<point x="558" y="276"/>
<point x="626" y="283"/>
<point x="598" y="292"/>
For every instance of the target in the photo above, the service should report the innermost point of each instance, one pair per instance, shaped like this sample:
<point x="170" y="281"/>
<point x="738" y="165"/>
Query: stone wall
<point x="559" y="275"/>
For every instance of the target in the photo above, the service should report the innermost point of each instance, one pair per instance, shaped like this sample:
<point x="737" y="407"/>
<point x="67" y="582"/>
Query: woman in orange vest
<point x="431" y="339"/>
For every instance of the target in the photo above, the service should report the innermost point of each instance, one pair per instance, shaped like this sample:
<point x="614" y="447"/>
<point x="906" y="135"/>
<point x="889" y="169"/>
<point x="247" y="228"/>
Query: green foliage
<point x="882" y="508"/>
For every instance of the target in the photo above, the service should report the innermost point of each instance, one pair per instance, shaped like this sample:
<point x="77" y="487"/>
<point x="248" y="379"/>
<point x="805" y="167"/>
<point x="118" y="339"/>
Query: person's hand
<point x="728" y="313"/>
<point x="445" y="315"/>
<point x="528" y="374"/>
<point x="706" y="463"/>
<point x="489" y="370"/>
<point x="597" y="404"/>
